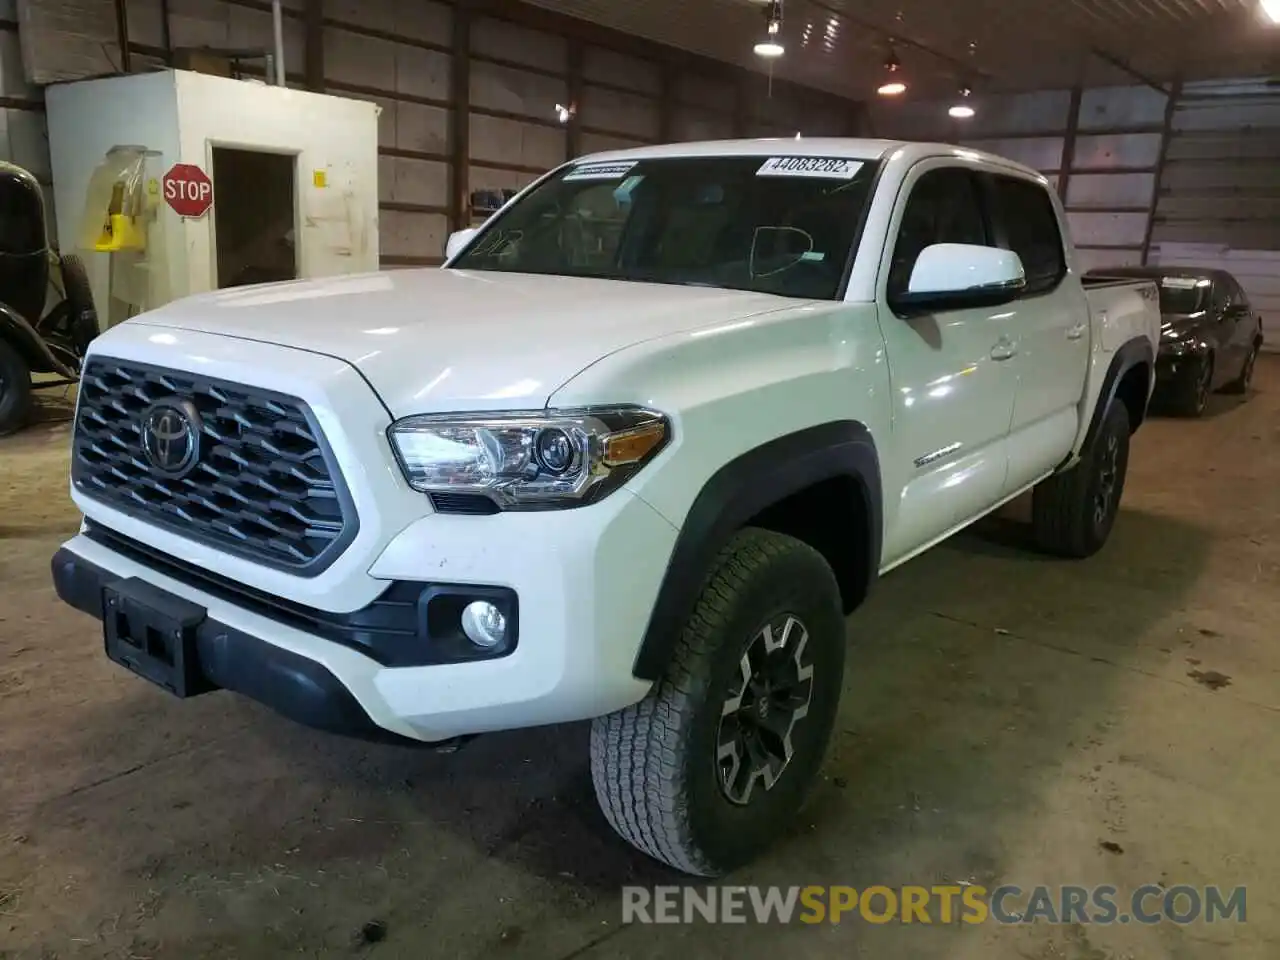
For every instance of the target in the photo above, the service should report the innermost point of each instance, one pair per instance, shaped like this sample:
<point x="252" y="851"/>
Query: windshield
<point x="1183" y="294"/>
<point x="782" y="225"/>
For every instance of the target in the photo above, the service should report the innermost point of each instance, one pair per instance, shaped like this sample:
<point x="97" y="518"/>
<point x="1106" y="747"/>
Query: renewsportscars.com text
<point x="941" y="904"/>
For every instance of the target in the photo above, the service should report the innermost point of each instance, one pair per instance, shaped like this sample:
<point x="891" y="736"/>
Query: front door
<point x="953" y="387"/>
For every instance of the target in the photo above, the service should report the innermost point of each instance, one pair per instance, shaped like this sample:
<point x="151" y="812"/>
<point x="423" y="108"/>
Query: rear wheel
<point x="1191" y="393"/>
<point x="713" y="765"/>
<point x="1072" y="513"/>
<point x="1241" y="383"/>
<point x="15" y="390"/>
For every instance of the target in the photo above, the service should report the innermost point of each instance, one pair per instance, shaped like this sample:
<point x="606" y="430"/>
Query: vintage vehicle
<point x="1210" y="335"/>
<point x="631" y="456"/>
<point x="33" y="340"/>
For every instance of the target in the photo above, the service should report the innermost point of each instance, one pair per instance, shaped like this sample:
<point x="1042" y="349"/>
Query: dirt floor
<point x="1006" y="719"/>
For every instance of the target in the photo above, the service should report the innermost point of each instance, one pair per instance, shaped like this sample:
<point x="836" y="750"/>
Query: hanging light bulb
<point x="893" y="85"/>
<point x="771" y="46"/>
<point x="962" y="109"/>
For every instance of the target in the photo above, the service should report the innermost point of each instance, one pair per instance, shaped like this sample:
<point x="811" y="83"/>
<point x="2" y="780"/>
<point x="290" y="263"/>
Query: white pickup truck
<point x="631" y="456"/>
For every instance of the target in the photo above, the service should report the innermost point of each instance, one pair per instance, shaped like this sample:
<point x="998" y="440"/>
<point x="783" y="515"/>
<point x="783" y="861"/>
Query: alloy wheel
<point x="1108" y="475"/>
<point x="1249" y="363"/>
<point x="1202" y="385"/>
<point x="769" y="696"/>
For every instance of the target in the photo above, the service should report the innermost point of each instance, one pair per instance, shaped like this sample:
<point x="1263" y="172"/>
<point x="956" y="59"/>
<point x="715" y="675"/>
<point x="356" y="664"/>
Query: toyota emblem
<point x="171" y="437"/>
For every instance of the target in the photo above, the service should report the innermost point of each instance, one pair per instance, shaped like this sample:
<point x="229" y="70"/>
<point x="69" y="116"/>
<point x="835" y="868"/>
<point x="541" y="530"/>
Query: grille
<point x="264" y="486"/>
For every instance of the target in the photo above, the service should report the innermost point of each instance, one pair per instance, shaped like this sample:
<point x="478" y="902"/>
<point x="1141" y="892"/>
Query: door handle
<point x="1076" y="332"/>
<point x="1004" y="350"/>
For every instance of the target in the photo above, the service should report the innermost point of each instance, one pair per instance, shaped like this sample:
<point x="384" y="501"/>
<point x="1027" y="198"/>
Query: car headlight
<point x="527" y="461"/>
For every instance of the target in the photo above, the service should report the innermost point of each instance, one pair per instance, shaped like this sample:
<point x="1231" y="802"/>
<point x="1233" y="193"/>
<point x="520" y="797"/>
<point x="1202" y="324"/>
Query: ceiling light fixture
<point x="963" y="109"/>
<point x="1271" y="9"/>
<point x="771" y="46"/>
<point x="893" y="85"/>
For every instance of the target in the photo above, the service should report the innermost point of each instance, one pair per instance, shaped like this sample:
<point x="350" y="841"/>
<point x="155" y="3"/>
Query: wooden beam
<point x="122" y="35"/>
<point x="741" y="102"/>
<point x="460" y="117"/>
<point x="1123" y="67"/>
<point x="166" y="32"/>
<point x="1069" y="141"/>
<point x="576" y="88"/>
<point x="1170" y="108"/>
<point x="313" y="44"/>
<point x="667" y="108"/>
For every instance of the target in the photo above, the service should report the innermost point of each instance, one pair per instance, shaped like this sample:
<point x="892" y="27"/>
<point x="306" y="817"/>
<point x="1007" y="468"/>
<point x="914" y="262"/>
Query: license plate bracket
<point x="153" y="633"/>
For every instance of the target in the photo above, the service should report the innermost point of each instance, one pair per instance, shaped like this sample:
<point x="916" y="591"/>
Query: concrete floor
<point x="1004" y="715"/>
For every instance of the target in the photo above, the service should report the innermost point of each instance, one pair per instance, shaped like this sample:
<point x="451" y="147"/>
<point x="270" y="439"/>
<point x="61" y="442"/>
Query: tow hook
<point x="453" y="744"/>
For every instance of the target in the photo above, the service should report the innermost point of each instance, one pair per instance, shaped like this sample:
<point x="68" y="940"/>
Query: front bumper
<point x="1178" y="367"/>
<point x="295" y="686"/>
<point x="585" y="580"/>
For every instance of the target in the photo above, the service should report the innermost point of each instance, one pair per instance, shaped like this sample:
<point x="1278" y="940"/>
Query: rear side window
<point x="1030" y="229"/>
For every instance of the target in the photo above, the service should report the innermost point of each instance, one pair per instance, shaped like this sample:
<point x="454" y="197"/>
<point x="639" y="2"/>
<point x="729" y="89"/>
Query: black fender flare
<point x="738" y="491"/>
<point x="1129" y="355"/>
<point x="29" y="344"/>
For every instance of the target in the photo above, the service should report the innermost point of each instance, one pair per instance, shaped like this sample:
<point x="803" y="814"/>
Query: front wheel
<point x="713" y="765"/>
<point x="1072" y="513"/>
<point x="1191" y="393"/>
<point x="15" y="390"/>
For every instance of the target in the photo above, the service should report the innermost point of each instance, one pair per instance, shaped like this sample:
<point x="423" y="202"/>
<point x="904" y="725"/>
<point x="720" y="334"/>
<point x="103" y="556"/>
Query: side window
<point x="944" y="207"/>
<point x="1031" y="231"/>
<point x="1222" y="296"/>
<point x="1236" y="295"/>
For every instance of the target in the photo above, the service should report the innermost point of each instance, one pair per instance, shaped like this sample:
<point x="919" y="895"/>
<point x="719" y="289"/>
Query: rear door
<point x="953" y="387"/>
<point x="1051" y="329"/>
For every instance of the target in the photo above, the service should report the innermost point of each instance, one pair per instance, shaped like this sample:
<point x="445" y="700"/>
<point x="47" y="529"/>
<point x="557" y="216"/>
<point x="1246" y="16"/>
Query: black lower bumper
<point x="1177" y="372"/>
<point x="300" y="689"/>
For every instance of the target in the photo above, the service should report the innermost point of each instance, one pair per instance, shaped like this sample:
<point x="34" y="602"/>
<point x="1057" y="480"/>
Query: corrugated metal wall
<point x="23" y="137"/>
<point x="1189" y="178"/>
<point x="451" y="124"/>
<point x="1100" y="148"/>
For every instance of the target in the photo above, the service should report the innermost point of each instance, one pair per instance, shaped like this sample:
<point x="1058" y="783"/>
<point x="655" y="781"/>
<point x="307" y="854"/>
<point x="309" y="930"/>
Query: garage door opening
<point x="254" y="216"/>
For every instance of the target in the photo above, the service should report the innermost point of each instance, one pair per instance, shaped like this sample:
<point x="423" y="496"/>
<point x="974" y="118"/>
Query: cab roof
<point x="851" y="148"/>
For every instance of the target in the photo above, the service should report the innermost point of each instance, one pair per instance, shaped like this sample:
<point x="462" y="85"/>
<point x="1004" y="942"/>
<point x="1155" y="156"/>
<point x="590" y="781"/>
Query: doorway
<point x="254" y="216"/>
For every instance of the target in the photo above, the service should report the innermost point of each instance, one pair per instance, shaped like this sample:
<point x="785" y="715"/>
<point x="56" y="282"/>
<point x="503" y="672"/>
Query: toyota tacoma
<point x="631" y="456"/>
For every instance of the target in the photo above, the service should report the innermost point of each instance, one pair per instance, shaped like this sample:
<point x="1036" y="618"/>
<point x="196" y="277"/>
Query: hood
<point x="1175" y="326"/>
<point x="435" y="340"/>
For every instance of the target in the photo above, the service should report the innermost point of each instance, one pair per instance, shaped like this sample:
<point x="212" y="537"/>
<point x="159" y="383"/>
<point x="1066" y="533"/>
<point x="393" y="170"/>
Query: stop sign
<point x="188" y="190"/>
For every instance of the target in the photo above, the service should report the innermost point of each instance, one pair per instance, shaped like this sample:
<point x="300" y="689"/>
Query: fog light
<point x="484" y="624"/>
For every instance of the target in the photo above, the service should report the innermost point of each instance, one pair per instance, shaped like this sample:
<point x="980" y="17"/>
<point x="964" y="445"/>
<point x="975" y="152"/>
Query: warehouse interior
<point x="1004" y="719"/>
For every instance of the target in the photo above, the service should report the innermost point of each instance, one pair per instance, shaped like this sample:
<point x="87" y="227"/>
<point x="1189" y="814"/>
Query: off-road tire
<point x="1241" y="383"/>
<point x="654" y="763"/>
<point x="1064" y="507"/>
<point x="15" y="390"/>
<point x="1189" y="396"/>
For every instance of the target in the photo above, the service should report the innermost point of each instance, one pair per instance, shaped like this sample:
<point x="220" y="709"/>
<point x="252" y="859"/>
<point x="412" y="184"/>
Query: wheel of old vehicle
<point x="1241" y="383"/>
<point x="1072" y="513"/>
<point x="1192" y="393"/>
<point x="714" y="763"/>
<point x="15" y="390"/>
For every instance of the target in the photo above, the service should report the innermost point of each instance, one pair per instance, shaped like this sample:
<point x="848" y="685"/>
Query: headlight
<point x="527" y="461"/>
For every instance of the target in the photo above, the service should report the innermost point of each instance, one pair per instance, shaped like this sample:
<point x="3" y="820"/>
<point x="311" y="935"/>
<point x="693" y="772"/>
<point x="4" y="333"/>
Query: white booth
<point x="172" y="183"/>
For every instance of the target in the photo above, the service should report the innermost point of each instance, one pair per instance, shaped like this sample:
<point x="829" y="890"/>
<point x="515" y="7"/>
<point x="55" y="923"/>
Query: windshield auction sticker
<point x="825" y="167"/>
<point x="601" y="171"/>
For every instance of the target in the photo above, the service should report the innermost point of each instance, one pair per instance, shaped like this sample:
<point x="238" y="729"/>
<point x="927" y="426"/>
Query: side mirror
<point x="956" y="276"/>
<point x="457" y="240"/>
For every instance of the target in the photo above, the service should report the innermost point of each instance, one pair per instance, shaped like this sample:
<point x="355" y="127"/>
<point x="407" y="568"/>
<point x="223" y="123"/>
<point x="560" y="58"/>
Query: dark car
<point x="1209" y="336"/>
